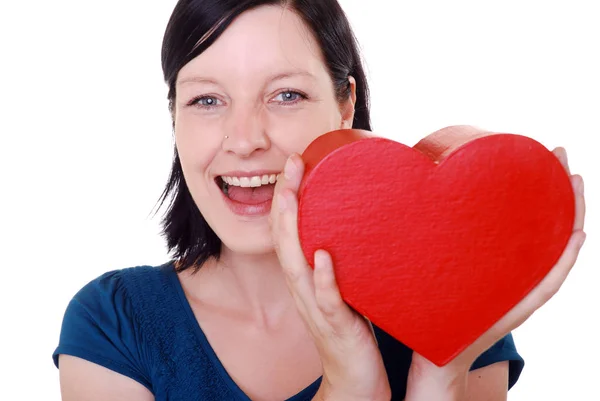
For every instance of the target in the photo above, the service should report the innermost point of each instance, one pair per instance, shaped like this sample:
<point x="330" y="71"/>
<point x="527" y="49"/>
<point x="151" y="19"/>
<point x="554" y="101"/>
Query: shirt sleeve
<point x="99" y="326"/>
<point x="503" y="350"/>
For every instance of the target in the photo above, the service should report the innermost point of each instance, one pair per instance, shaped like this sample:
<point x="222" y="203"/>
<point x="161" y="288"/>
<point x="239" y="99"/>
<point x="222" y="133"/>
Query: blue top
<point x="138" y="322"/>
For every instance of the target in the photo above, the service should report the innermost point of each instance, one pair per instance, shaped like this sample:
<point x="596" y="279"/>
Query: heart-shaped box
<point x="435" y="243"/>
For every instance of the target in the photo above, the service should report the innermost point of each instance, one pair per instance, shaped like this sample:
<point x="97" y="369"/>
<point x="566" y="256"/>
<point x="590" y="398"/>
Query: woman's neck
<point x="252" y="285"/>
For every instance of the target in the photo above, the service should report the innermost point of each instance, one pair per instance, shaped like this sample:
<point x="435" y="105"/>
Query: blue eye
<point x="205" y="102"/>
<point x="290" y="97"/>
<point x="287" y="96"/>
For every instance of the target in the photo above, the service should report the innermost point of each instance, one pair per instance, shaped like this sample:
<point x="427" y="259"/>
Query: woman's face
<point x="258" y="94"/>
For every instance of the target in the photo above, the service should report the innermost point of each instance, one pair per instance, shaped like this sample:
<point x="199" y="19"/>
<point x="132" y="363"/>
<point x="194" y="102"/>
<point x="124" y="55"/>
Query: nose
<point x="245" y="132"/>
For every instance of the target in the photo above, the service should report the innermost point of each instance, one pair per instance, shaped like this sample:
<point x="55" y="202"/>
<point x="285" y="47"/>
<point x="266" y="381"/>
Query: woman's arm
<point x="83" y="380"/>
<point x="489" y="383"/>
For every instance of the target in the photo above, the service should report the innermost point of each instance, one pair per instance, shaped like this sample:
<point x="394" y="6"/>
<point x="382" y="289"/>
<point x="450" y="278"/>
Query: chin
<point x="247" y="238"/>
<point x="254" y="247"/>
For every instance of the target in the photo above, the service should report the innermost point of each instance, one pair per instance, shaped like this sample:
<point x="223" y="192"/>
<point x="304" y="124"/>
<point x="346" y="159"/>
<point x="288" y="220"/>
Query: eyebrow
<point x="276" y="77"/>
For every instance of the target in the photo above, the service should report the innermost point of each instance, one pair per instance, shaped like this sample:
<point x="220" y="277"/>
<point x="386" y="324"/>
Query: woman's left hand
<point x="353" y="369"/>
<point x="523" y="310"/>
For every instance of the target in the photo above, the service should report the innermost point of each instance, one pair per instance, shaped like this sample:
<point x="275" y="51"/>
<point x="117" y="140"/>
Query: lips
<point x="248" y="194"/>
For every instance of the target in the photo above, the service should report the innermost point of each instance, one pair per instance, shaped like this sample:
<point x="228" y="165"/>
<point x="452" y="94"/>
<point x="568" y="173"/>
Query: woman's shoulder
<point x="100" y="323"/>
<point x="134" y="321"/>
<point x="133" y="294"/>
<point x="115" y="279"/>
<point x="120" y="292"/>
<point x="118" y="287"/>
<point x="109" y="319"/>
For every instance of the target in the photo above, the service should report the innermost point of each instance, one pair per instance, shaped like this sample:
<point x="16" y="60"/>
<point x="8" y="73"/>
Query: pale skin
<point x="261" y="305"/>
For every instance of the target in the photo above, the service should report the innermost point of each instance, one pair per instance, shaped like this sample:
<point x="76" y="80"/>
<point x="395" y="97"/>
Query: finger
<point x="327" y="294"/>
<point x="550" y="285"/>
<point x="289" y="179"/>
<point x="577" y="182"/>
<point x="561" y="154"/>
<point x="293" y="172"/>
<point x="296" y="269"/>
<point x="286" y="201"/>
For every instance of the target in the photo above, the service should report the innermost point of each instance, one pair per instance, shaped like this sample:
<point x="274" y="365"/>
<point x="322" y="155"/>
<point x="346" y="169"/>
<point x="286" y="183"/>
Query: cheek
<point x="197" y="144"/>
<point x="295" y="133"/>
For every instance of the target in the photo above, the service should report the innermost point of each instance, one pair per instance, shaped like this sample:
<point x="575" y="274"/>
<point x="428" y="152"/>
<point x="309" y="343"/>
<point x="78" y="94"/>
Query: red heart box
<point x="435" y="243"/>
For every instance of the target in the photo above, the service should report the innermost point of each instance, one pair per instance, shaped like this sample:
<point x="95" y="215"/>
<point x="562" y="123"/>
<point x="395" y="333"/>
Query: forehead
<point x="257" y="44"/>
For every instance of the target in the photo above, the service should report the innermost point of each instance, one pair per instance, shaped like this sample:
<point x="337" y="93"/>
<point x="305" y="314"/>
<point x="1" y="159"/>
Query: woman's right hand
<point x="352" y="365"/>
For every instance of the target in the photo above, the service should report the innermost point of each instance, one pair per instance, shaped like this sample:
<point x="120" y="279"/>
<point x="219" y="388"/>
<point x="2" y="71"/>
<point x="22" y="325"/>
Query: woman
<point x="238" y="314"/>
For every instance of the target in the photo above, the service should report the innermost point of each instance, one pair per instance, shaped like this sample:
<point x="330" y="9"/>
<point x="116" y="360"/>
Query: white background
<point x="86" y="148"/>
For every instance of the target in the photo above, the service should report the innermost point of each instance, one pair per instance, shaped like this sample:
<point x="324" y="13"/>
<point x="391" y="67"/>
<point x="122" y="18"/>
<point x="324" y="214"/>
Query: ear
<point x="347" y="108"/>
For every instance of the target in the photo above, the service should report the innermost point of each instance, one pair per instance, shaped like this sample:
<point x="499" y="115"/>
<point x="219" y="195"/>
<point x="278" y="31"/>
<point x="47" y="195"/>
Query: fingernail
<point x="281" y="202"/>
<point x="580" y="187"/>
<point x="319" y="260"/>
<point x="582" y="240"/>
<point x="289" y="169"/>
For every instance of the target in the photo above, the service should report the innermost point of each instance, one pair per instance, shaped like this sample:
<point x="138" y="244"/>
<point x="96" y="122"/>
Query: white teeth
<point x="246" y="182"/>
<point x="255" y="182"/>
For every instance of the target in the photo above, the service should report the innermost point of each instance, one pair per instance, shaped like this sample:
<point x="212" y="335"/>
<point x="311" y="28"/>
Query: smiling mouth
<point x="248" y="190"/>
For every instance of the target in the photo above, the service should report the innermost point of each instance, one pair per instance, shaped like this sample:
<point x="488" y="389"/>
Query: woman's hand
<point x="352" y="365"/>
<point x="421" y="367"/>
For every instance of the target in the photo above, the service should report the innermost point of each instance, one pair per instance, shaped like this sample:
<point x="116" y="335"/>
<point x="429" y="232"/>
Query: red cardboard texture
<point x="435" y="243"/>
